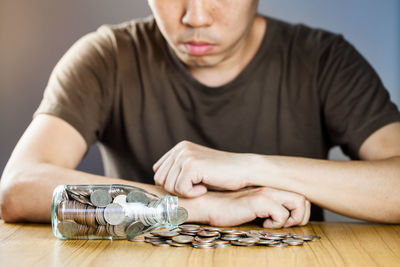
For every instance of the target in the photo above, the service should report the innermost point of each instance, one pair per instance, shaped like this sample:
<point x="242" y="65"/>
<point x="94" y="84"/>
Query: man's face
<point x="204" y="33"/>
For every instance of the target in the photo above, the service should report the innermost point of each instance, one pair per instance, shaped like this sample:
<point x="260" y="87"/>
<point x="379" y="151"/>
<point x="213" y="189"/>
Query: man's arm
<point x="50" y="149"/>
<point x="45" y="157"/>
<point x="367" y="189"/>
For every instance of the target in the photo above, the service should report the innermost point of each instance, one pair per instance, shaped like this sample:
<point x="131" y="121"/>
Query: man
<point x="233" y="111"/>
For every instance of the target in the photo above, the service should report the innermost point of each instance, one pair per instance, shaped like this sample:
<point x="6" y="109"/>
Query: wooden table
<point x="341" y="244"/>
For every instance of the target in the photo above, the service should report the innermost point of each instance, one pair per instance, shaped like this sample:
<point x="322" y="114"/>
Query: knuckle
<point x="282" y="216"/>
<point x="184" y="144"/>
<point x="179" y="188"/>
<point x="304" y="222"/>
<point x="297" y="220"/>
<point x="301" y="199"/>
<point x="189" y="162"/>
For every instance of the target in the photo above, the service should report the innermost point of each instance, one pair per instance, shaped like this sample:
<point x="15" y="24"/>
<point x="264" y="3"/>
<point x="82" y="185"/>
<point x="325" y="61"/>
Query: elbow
<point x="10" y="187"/>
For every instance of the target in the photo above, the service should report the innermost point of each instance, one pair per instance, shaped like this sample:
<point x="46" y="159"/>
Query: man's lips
<point x="198" y="48"/>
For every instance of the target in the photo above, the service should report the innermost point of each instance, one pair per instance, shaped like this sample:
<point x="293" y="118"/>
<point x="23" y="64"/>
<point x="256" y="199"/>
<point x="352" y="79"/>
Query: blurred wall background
<point x="35" y="34"/>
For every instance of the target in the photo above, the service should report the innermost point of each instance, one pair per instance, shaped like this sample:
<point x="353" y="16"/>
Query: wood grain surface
<point x="341" y="244"/>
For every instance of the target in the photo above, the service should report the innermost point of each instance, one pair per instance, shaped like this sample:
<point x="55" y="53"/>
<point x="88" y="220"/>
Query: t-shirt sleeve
<point x="355" y="103"/>
<point x="80" y="87"/>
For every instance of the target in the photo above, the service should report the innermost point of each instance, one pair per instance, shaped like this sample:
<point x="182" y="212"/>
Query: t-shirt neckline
<point x="185" y="75"/>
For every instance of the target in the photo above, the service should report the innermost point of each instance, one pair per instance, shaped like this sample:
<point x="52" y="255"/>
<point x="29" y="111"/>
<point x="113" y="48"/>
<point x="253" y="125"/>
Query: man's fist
<point x="279" y="208"/>
<point x="189" y="169"/>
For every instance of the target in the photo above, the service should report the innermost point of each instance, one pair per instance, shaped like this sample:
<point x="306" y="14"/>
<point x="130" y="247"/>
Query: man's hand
<point x="280" y="208"/>
<point x="189" y="169"/>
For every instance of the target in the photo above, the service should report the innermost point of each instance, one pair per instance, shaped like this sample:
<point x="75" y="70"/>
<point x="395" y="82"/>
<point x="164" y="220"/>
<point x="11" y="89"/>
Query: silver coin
<point x="160" y="244"/>
<point x="227" y="231"/>
<point x="221" y="243"/>
<point x="137" y="196"/>
<point x="134" y="229"/>
<point x="139" y="238"/>
<point x="100" y="198"/>
<point x="188" y="233"/>
<point x="120" y="199"/>
<point x="175" y="244"/>
<point x="205" y="239"/>
<point x="100" y="216"/>
<point x="266" y="242"/>
<point x="119" y="229"/>
<point x="207" y="233"/>
<point x="202" y="245"/>
<point x="189" y="227"/>
<point x="110" y="229"/>
<point x="273" y="237"/>
<point x="238" y="232"/>
<point x="182" y="239"/>
<point x="114" y="214"/>
<point x="230" y="237"/>
<point x="68" y="228"/>
<point x="211" y="229"/>
<point x="150" y="239"/>
<point x="167" y="234"/>
<point x="293" y="242"/>
<point x="248" y="240"/>
<point x="80" y="199"/>
<point x="253" y="235"/>
<point x="280" y="234"/>
<point x="237" y="243"/>
<point x="182" y="215"/>
<point x="155" y="232"/>
<point x="315" y="237"/>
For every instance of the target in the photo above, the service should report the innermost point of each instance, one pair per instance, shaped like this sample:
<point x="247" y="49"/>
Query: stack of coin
<point x="116" y="213"/>
<point x="213" y="237"/>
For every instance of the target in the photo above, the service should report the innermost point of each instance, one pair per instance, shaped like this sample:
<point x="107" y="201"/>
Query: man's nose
<point x="198" y="13"/>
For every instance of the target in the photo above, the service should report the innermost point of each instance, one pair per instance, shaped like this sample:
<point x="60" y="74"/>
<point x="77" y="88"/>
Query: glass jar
<point x="111" y="212"/>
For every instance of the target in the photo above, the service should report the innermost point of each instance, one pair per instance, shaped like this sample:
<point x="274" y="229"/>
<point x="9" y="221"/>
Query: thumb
<point x="196" y="191"/>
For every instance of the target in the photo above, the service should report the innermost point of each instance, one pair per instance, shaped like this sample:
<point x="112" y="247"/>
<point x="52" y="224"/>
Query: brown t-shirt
<point x="305" y="91"/>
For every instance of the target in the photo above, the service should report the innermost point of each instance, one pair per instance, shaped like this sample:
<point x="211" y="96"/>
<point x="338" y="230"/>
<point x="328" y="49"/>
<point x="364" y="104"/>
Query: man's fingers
<point x="276" y="214"/>
<point x="197" y="190"/>
<point x="278" y="218"/>
<point x="297" y="208"/>
<point x="307" y="213"/>
<point x="157" y="165"/>
<point x="161" y="175"/>
<point x="187" y="187"/>
<point x="172" y="177"/>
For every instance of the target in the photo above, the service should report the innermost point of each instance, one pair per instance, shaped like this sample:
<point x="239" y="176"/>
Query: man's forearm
<point x="367" y="190"/>
<point x="26" y="196"/>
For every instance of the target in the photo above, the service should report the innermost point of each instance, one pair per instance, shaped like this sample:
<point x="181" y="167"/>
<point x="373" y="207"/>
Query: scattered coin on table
<point x="214" y="237"/>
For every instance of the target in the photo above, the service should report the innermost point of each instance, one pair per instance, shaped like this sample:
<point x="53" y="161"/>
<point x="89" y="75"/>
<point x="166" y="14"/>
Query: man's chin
<point x="199" y="62"/>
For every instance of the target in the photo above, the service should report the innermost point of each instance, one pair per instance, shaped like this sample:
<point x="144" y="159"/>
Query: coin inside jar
<point x="114" y="214"/>
<point x="137" y="196"/>
<point x="134" y="229"/>
<point x="68" y="228"/>
<point x="100" y="198"/>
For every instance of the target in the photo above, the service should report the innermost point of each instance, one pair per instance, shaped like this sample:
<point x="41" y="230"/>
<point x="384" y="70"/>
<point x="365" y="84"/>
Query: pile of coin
<point x="114" y="213"/>
<point x="190" y="235"/>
